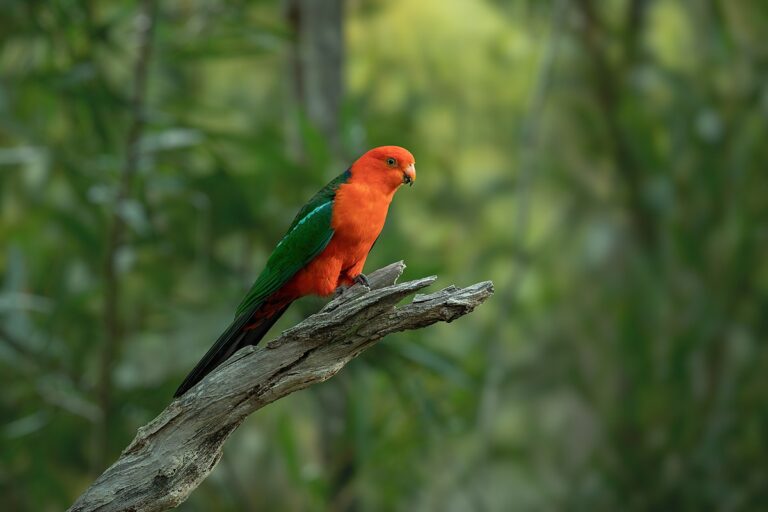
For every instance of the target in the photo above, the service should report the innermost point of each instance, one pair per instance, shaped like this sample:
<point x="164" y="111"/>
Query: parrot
<point x="324" y="249"/>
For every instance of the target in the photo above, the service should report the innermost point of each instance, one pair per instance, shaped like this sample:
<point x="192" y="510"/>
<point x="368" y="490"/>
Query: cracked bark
<point x="175" y="452"/>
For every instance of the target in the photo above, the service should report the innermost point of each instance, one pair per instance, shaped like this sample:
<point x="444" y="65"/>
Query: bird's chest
<point x="359" y="216"/>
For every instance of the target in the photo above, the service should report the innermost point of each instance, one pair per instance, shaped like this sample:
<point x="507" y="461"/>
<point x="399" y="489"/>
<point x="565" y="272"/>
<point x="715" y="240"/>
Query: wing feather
<point x="307" y="236"/>
<point x="303" y="242"/>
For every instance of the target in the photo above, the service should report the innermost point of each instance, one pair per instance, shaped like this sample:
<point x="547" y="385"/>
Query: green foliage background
<point x="604" y="163"/>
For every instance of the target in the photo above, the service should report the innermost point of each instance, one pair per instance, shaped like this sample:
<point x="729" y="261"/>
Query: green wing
<point x="325" y="194"/>
<point x="307" y="236"/>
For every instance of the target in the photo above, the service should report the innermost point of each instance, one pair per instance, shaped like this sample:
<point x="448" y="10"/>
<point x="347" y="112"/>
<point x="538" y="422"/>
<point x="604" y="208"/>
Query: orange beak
<point x="409" y="174"/>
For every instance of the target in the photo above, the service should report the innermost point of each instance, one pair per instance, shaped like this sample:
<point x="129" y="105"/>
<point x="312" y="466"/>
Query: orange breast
<point x="359" y="213"/>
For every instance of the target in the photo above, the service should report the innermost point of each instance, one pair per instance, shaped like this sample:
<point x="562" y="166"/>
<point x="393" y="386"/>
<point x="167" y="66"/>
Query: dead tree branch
<point x="175" y="452"/>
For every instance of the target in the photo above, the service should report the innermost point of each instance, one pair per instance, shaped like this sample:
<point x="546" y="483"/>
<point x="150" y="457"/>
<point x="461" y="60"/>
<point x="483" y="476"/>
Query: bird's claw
<point x="358" y="279"/>
<point x="362" y="279"/>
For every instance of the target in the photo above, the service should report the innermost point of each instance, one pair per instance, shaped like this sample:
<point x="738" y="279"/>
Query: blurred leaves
<point x="602" y="162"/>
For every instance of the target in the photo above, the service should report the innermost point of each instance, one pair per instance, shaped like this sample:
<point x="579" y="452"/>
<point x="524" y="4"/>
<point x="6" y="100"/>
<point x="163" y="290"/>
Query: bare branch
<point x="175" y="452"/>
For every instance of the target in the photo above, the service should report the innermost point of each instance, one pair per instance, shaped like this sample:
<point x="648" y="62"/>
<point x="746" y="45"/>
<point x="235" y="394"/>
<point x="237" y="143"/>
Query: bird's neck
<point x="376" y="189"/>
<point x="360" y="210"/>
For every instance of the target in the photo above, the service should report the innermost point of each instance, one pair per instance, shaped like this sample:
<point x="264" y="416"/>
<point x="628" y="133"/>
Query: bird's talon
<point x="362" y="279"/>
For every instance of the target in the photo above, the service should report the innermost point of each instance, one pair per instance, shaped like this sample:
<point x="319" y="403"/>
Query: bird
<point x="324" y="249"/>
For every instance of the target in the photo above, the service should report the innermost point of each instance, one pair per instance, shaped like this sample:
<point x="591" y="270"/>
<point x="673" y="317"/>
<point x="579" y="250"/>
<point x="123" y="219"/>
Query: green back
<point x="307" y="236"/>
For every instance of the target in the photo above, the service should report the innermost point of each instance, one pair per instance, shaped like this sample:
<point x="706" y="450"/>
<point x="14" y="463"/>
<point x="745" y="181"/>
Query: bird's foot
<point x="362" y="279"/>
<point x="358" y="279"/>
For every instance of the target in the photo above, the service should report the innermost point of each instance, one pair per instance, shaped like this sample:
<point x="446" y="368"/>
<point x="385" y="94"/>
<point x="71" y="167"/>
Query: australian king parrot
<point x="324" y="248"/>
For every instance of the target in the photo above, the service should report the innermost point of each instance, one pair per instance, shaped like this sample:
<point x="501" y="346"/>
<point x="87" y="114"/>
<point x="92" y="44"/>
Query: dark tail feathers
<point x="231" y="340"/>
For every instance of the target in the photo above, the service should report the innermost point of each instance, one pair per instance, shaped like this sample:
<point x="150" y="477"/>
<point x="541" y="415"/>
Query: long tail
<point x="243" y="331"/>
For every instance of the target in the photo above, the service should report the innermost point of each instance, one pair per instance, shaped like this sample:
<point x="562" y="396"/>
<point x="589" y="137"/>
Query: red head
<point x="387" y="167"/>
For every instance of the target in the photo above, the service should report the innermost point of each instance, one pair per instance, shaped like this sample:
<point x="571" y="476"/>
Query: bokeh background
<point x="603" y="162"/>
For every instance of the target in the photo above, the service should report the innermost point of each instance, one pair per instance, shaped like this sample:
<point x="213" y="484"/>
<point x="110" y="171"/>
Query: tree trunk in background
<point x="113" y="331"/>
<point x="610" y="79"/>
<point x="317" y="60"/>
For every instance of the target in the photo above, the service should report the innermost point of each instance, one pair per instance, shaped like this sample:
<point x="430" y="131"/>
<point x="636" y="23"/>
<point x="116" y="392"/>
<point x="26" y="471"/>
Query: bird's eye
<point x="391" y="162"/>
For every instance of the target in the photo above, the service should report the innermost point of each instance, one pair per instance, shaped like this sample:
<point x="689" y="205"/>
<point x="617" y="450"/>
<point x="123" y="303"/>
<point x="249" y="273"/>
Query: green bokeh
<point x="604" y="163"/>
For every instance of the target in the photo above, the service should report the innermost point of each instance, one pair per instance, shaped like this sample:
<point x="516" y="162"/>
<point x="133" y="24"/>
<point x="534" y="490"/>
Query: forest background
<point x="604" y="163"/>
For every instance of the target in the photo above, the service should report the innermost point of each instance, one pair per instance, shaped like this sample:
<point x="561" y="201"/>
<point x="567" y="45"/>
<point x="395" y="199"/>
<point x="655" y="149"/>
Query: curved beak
<point x="409" y="174"/>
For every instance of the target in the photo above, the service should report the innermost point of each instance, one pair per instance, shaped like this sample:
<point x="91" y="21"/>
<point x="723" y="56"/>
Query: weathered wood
<point x="173" y="454"/>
